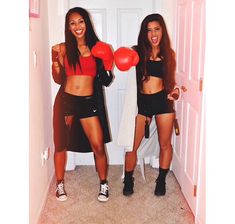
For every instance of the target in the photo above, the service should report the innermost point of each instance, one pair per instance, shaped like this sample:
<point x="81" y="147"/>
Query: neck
<point x="155" y="52"/>
<point x="81" y="42"/>
<point x="81" y="46"/>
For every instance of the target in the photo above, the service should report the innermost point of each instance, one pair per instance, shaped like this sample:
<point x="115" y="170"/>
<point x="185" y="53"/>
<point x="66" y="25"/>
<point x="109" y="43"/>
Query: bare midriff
<point x="153" y="85"/>
<point x="81" y="85"/>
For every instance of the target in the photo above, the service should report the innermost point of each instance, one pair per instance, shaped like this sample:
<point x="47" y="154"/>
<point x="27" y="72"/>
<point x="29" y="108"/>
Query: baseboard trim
<point x="43" y="202"/>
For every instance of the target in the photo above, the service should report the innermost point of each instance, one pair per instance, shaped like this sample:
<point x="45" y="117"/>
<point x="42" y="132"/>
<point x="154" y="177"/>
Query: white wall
<point x="169" y="15"/>
<point x="40" y="116"/>
<point x="56" y="19"/>
<point x="14" y="112"/>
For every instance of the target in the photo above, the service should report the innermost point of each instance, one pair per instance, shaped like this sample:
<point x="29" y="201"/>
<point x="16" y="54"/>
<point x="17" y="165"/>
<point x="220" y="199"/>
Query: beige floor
<point x="142" y="207"/>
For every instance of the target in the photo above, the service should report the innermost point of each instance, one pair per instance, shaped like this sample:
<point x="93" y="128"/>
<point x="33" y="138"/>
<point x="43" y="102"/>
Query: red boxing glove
<point x="104" y="52"/>
<point x="125" y="58"/>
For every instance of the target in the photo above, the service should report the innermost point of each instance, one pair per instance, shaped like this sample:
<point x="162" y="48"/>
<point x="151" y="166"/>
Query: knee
<point x="165" y="146"/>
<point x="98" y="150"/>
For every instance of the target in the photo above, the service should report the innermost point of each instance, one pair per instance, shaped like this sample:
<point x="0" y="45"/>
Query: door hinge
<point x="195" y="191"/>
<point x="200" y="84"/>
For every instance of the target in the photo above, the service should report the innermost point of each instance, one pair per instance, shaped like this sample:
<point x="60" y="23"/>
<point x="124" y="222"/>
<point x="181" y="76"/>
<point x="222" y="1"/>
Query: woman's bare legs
<point x="131" y="157"/>
<point x="94" y="133"/>
<point x="60" y="159"/>
<point x="60" y="162"/>
<point x="164" y="124"/>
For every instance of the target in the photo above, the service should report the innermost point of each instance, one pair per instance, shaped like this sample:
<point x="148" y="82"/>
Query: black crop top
<point x="155" y="68"/>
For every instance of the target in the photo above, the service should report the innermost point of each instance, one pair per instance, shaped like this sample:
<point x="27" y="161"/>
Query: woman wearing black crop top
<point x="155" y="74"/>
<point x="81" y="97"/>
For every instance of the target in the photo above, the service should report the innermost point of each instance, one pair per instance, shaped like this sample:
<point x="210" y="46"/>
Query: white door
<point x="117" y="23"/>
<point x="190" y="41"/>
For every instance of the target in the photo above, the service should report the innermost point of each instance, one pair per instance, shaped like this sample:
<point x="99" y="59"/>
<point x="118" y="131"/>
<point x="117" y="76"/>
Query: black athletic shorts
<point x="153" y="104"/>
<point x="81" y="106"/>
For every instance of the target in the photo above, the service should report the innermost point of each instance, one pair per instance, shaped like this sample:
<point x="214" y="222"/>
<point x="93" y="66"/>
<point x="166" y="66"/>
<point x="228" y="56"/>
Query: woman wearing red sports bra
<point x="83" y="61"/>
<point x="155" y="74"/>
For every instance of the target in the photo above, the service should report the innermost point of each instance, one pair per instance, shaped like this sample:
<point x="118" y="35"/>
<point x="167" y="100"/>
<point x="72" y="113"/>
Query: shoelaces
<point x="60" y="188"/>
<point x="104" y="188"/>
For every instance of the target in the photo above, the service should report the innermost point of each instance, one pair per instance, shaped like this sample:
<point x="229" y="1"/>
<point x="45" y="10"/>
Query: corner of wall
<point x="40" y="119"/>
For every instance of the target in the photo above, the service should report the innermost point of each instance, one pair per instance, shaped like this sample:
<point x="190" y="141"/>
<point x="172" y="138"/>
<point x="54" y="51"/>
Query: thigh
<point x="139" y="130"/>
<point x="69" y="120"/>
<point x="164" y="124"/>
<point x="93" y="130"/>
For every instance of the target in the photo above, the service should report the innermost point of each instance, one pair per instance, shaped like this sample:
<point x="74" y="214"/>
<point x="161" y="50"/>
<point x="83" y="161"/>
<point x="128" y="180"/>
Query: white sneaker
<point x="60" y="192"/>
<point x="104" y="192"/>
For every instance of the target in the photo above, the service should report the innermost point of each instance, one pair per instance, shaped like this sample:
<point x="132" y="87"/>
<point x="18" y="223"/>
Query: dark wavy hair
<point x="91" y="38"/>
<point x="166" y="53"/>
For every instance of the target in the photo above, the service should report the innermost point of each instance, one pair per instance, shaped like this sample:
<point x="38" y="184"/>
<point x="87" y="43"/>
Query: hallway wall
<point x="40" y="117"/>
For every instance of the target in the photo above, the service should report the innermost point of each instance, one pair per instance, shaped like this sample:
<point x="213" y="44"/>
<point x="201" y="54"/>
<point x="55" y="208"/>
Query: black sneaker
<point x="104" y="192"/>
<point x="160" y="189"/>
<point x="128" y="186"/>
<point x="60" y="192"/>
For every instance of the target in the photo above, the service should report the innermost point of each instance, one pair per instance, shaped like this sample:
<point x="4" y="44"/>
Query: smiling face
<point x="77" y="26"/>
<point x="154" y="33"/>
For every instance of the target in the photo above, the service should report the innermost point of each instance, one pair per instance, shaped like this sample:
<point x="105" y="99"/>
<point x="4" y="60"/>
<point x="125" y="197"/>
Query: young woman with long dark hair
<point x="155" y="74"/>
<point x="85" y="63"/>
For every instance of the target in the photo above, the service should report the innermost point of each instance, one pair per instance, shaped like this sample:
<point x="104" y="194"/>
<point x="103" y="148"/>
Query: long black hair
<point x="91" y="38"/>
<point x="166" y="53"/>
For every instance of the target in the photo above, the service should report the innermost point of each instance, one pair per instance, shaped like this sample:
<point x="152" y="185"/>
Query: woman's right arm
<point x="57" y="55"/>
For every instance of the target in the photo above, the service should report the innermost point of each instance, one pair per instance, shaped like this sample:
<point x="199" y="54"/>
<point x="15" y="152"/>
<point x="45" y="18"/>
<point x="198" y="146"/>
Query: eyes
<point x="158" y="28"/>
<point x="78" y="22"/>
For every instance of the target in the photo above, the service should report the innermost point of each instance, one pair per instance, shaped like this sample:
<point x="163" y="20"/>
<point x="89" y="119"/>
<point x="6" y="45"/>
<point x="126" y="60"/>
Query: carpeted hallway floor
<point x="82" y="206"/>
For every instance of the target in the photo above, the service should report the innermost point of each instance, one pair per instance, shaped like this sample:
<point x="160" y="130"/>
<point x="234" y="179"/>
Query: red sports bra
<point x="88" y="67"/>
